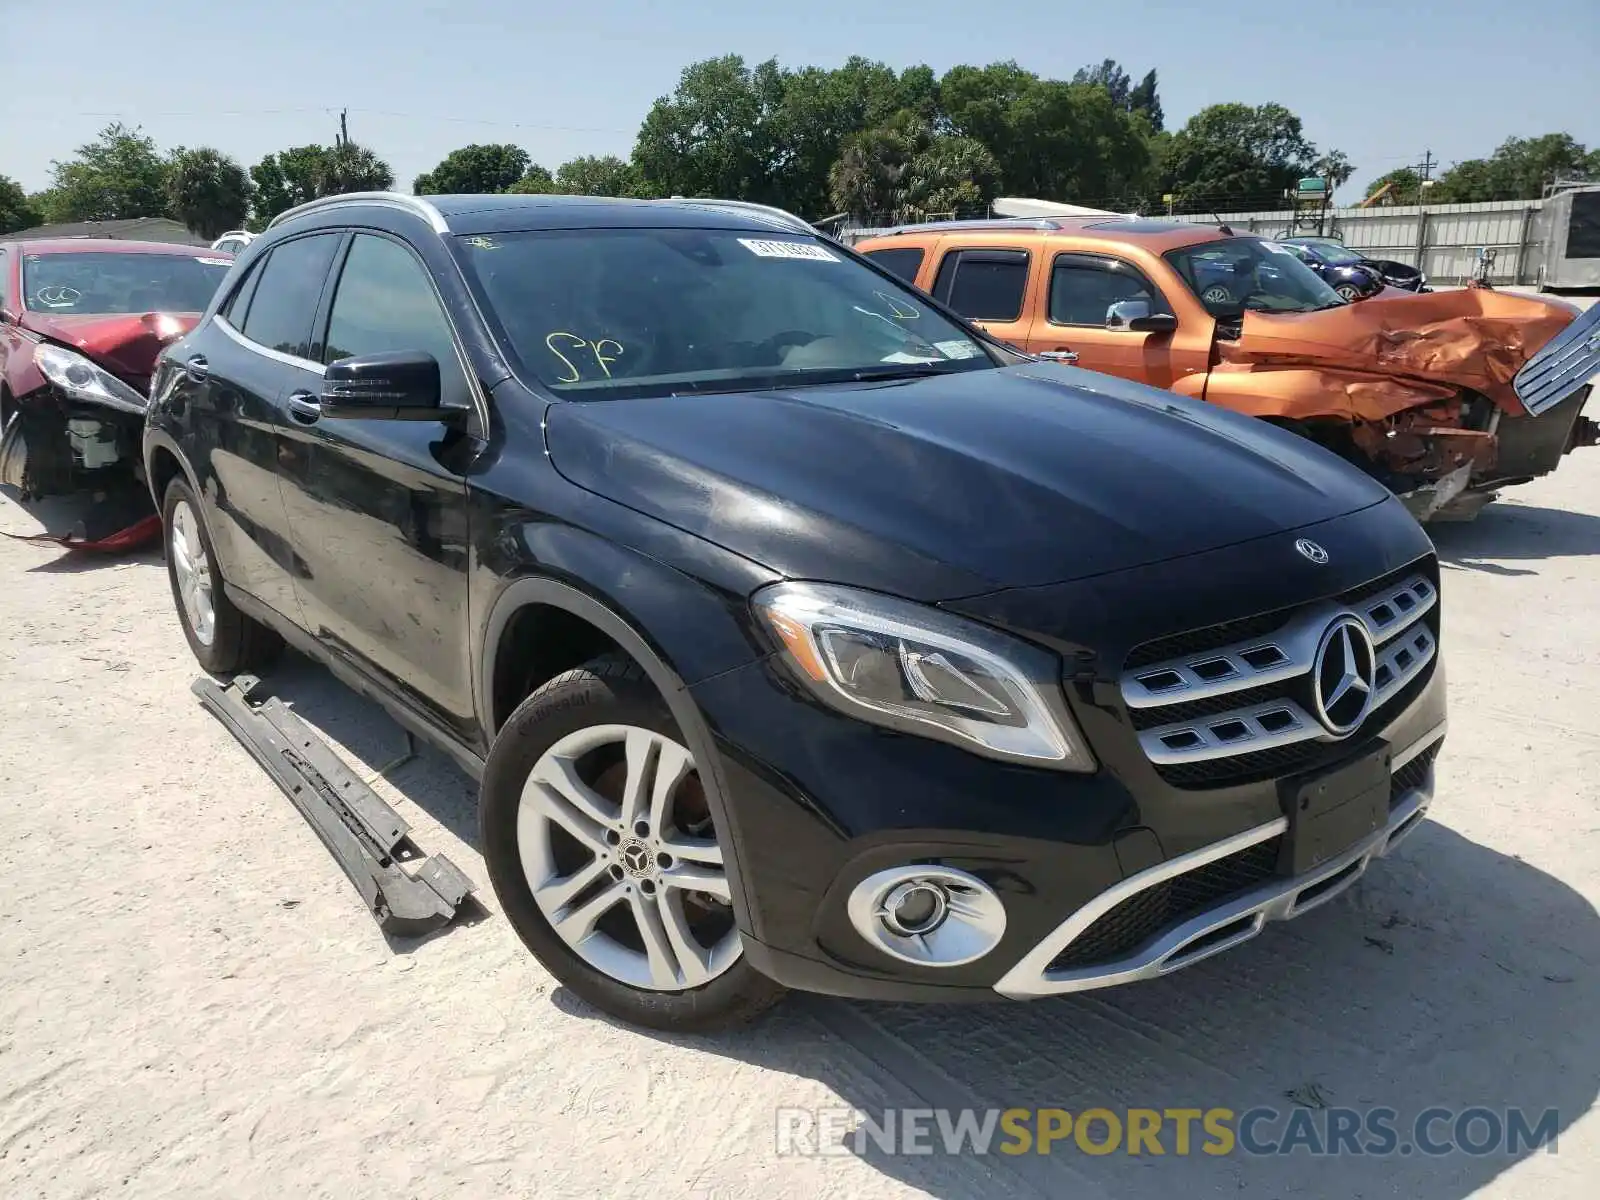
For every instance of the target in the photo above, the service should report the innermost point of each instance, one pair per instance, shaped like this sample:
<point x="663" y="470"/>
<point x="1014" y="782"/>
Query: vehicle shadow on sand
<point x="1508" y="531"/>
<point x="1451" y="976"/>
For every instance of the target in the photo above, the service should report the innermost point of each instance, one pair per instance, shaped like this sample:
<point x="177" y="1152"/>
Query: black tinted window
<point x="904" y="261"/>
<point x="239" y="303"/>
<point x="1082" y="290"/>
<point x="385" y="302"/>
<point x="286" y="298"/>
<point x="984" y="285"/>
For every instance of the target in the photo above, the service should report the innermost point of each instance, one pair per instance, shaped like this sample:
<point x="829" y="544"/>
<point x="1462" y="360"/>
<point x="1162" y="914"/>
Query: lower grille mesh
<point x="1145" y="914"/>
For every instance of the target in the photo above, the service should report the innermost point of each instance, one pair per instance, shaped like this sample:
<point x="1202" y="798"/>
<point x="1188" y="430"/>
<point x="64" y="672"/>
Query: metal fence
<point x="1442" y="239"/>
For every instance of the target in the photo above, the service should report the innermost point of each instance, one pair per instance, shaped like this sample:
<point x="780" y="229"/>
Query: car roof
<point x="1155" y="234"/>
<point x="111" y="246"/>
<point x="485" y="214"/>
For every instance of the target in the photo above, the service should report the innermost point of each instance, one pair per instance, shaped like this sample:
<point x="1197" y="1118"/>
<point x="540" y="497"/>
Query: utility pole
<point x="1425" y="167"/>
<point x="344" y="128"/>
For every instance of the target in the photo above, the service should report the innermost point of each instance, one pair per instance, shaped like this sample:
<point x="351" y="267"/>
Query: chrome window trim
<point x="1273" y="900"/>
<point x="414" y="205"/>
<point x="288" y="360"/>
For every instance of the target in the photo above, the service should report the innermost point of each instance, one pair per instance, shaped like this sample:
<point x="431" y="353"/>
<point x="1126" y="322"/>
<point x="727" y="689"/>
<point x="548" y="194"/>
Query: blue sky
<point x="1382" y="81"/>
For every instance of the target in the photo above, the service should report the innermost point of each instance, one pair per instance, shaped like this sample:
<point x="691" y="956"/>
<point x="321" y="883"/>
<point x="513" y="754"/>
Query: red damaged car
<point x="82" y="322"/>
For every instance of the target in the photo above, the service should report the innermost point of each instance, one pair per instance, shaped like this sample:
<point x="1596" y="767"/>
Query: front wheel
<point x="602" y="850"/>
<point x="1348" y="292"/>
<point x="222" y="638"/>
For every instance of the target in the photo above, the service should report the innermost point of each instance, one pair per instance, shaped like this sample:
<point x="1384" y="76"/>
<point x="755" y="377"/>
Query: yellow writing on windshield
<point x="605" y="351"/>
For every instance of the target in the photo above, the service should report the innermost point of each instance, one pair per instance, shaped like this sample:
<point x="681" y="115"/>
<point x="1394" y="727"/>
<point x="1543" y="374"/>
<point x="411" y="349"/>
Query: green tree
<point x="1334" y="166"/>
<point x="1145" y="100"/>
<point x="1109" y="75"/>
<point x="1236" y="155"/>
<point x="208" y="191"/>
<point x="16" y="210"/>
<point x="474" y="170"/>
<point x="714" y="136"/>
<point x="1519" y="169"/>
<point x="1051" y="139"/>
<point x="284" y="180"/>
<point x="536" y="181"/>
<point x="589" y="175"/>
<point x="954" y="175"/>
<point x="866" y="179"/>
<point x="349" y="167"/>
<point x="119" y="175"/>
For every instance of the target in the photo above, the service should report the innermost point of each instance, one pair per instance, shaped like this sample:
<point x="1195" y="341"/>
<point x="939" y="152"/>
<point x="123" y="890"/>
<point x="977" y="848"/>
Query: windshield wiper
<point x="902" y="371"/>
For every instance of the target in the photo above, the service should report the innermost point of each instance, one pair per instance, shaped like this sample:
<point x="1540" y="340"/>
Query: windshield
<point x="111" y="283"/>
<point x="603" y="313"/>
<point x="1242" y="273"/>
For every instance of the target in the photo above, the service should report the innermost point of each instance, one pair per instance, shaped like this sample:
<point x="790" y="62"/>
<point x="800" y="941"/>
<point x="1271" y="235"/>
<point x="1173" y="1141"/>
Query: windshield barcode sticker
<point x="215" y="262"/>
<point x="1276" y="248"/>
<point x="764" y="248"/>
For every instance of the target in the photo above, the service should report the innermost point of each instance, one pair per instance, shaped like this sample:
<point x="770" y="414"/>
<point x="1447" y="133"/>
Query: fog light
<point x="915" y="908"/>
<point x="934" y="916"/>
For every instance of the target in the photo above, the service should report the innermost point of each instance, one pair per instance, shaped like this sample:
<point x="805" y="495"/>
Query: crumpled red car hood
<point x="1474" y="338"/>
<point x="126" y="345"/>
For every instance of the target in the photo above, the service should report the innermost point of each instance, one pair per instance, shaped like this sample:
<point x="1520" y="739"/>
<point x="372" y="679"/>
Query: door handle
<point x="304" y="407"/>
<point x="197" y="368"/>
<point x="1063" y="356"/>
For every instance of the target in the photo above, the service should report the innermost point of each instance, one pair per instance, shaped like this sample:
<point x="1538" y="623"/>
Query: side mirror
<point x="1134" y="316"/>
<point x="398" y="385"/>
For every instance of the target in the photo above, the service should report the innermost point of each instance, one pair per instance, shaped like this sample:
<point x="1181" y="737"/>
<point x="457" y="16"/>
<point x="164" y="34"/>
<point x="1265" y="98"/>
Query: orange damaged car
<point x="1445" y="397"/>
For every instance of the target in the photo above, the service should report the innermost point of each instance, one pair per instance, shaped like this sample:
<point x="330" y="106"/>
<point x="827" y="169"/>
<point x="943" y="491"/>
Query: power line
<point x="142" y="115"/>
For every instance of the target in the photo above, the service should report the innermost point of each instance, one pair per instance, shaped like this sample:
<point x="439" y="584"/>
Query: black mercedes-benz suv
<point x="800" y="633"/>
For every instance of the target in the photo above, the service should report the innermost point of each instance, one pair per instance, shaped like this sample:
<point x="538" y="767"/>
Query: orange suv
<point x="1444" y="397"/>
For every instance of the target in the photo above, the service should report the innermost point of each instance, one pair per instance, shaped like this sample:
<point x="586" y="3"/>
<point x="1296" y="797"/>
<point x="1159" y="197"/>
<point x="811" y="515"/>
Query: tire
<point x="1216" y="293"/>
<point x="1348" y="292"/>
<point x="589" y="726"/>
<point x="231" y="641"/>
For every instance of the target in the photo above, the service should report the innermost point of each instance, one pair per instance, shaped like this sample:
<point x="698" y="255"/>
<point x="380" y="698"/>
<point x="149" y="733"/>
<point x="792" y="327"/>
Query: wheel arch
<point x="533" y="594"/>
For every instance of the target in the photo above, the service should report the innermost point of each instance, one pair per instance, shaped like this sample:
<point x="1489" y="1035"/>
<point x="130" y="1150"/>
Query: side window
<point x="1083" y="289"/>
<point x="983" y="285"/>
<point x="385" y="302"/>
<point x="904" y="261"/>
<point x="238" y="305"/>
<point x="285" y="300"/>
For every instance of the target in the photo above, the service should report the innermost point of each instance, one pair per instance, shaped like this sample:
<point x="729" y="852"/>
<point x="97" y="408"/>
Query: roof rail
<point x="415" y="205"/>
<point x="1040" y="223"/>
<point x="776" y="214"/>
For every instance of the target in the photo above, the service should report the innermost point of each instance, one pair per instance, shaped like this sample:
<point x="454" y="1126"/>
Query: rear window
<point x="285" y="301"/>
<point x="111" y="284"/>
<point x="904" y="261"/>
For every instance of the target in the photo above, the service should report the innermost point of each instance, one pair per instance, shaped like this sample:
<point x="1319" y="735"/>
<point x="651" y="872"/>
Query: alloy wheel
<point x="619" y="851"/>
<point x="193" y="571"/>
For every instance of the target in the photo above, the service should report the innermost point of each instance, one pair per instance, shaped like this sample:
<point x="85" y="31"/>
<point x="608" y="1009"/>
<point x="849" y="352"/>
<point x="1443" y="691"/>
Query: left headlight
<point x="80" y="379"/>
<point x="926" y="672"/>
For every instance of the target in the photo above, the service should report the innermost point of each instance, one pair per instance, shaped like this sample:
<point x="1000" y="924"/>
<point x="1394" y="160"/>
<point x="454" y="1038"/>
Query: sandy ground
<point x="193" y="1003"/>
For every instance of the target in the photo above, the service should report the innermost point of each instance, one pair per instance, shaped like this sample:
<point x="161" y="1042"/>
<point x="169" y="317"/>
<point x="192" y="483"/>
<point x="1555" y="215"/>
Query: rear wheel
<point x="222" y="638"/>
<point x="603" y="852"/>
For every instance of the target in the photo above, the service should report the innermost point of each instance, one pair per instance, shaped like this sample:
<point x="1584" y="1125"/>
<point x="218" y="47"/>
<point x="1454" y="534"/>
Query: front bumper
<point x="826" y="803"/>
<point x="1228" y="922"/>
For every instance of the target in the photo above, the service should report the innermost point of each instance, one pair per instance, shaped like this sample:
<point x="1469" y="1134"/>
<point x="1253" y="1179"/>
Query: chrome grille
<point x="1211" y="711"/>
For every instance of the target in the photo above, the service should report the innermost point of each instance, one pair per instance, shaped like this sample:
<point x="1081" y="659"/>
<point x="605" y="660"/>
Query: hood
<point x="1474" y="338"/>
<point x="957" y="484"/>
<point x="127" y="345"/>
